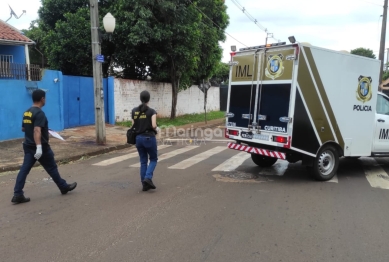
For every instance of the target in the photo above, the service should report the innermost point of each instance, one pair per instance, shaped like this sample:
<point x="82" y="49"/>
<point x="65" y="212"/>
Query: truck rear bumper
<point x="255" y="150"/>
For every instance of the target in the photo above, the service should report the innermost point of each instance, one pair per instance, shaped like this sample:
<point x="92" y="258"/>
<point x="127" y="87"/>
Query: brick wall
<point x="189" y="101"/>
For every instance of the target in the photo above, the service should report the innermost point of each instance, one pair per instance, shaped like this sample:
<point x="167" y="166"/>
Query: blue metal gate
<point x="78" y="95"/>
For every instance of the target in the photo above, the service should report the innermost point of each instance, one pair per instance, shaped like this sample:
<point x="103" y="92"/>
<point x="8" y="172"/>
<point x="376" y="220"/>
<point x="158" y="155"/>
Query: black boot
<point x="20" y="199"/>
<point x="68" y="188"/>
<point x="150" y="183"/>
<point x="146" y="187"/>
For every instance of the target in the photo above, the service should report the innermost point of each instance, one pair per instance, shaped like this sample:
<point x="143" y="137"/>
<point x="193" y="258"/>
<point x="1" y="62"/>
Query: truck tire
<point x="326" y="164"/>
<point x="263" y="161"/>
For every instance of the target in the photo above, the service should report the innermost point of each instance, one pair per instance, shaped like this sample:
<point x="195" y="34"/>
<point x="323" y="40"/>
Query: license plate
<point x="261" y="137"/>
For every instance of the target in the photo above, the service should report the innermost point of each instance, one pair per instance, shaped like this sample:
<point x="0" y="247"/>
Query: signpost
<point x="204" y="88"/>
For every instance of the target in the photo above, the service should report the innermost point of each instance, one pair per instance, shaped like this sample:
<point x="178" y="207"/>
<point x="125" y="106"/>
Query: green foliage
<point x="64" y="35"/>
<point x="214" y="20"/>
<point x="36" y="51"/>
<point x="67" y="47"/>
<point x="221" y="74"/>
<point x="385" y="75"/>
<point x="366" y="52"/>
<point x="169" y="40"/>
<point x="161" y="36"/>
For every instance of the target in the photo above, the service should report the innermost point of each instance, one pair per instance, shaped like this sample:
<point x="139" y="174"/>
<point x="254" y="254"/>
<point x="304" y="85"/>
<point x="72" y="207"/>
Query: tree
<point x="65" y="35"/>
<point x="36" y="51"/>
<point x="169" y="40"/>
<point x="363" y="52"/>
<point x="221" y="74"/>
<point x="67" y="47"/>
<point x="214" y="20"/>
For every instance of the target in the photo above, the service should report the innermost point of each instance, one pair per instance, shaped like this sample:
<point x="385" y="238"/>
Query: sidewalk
<point x="79" y="142"/>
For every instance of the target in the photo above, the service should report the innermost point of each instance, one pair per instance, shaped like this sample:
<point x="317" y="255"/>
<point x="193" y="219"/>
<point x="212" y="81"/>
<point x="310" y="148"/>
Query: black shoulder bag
<point x="131" y="134"/>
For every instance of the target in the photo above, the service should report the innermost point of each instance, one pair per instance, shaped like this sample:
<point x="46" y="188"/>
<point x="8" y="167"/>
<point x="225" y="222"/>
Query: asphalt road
<point x="199" y="211"/>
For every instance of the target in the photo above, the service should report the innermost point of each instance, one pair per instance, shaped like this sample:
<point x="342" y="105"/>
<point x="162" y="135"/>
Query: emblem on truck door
<point x="364" y="91"/>
<point x="275" y="66"/>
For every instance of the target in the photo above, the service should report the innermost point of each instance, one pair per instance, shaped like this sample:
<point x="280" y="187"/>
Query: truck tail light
<point x="280" y="139"/>
<point x="233" y="132"/>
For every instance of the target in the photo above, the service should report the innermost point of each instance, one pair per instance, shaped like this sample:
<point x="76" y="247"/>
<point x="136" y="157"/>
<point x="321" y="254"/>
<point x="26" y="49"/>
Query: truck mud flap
<point x="258" y="151"/>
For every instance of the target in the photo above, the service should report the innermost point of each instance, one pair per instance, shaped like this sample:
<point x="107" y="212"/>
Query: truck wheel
<point x="325" y="164"/>
<point x="263" y="161"/>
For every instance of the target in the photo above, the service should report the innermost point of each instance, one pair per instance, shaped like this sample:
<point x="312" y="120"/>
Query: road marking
<point x="375" y="174"/>
<point x="232" y="163"/>
<point x="118" y="159"/>
<point x="334" y="179"/>
<point x="198" y="158"/>
<point x="170" y="154"/>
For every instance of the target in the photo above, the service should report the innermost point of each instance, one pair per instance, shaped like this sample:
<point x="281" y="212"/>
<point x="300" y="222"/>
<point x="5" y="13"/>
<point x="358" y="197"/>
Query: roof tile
<point x="9" y="33"/>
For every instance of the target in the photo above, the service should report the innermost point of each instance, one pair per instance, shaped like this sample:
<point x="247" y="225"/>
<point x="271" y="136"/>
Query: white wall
<point x="189" y="101"/>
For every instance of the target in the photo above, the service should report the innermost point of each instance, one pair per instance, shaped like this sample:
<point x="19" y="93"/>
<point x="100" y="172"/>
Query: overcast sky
<point x="333" y="24"/>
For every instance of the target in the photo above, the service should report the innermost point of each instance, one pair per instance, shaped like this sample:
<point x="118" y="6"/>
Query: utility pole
<point x="97" y="74"/>
<point x="387" y="58"/>
<point x="383" y="38"/>
<point x="205" y="103"/>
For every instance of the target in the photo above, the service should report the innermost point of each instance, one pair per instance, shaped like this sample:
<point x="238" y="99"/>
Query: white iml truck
<point x="298" y="102"/>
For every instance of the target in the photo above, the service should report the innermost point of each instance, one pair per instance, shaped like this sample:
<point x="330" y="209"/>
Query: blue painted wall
<point x="69" y="102"/>
<point x="17" y="52"/>
<point x="15" y="99"/>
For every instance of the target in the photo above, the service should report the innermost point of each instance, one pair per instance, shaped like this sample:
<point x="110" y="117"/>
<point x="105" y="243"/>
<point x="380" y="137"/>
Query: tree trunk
<point x="174" y="97"/>
<point x="175" y="79"/>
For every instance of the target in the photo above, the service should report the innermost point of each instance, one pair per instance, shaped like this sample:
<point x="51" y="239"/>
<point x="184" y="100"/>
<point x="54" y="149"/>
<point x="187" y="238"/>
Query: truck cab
<point x="381" y="134"/>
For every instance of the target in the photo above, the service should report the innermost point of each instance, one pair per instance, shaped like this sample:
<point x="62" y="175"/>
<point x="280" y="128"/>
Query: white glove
<point x="38" y="153"/>
<point x="158" y="129"/>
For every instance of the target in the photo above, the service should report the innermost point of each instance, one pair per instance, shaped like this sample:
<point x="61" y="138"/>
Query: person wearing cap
<point x="144" y="119"/>
<point x="36" y="148"/>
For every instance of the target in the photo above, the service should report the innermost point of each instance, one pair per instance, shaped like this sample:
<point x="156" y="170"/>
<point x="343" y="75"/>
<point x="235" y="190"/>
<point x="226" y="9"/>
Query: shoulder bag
<point x="131" y="136"/>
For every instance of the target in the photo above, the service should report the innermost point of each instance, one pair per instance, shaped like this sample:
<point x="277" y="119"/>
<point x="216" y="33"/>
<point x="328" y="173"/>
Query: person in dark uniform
<point x="144" y="119"/>
<point x="36" y="148"/>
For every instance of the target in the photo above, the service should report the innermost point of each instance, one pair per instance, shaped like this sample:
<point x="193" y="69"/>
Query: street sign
<point x="100" y="58"/>
<point x="204" y="86"/>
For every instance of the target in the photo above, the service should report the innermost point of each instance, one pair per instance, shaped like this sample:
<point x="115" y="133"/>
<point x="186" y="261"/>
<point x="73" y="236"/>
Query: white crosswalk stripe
<point x="232" y="163"/>
<point x="118" y="159"/>
<point x="375" y="174"/>
<point x="170" y="154"/>
<point x="198" y="158"/>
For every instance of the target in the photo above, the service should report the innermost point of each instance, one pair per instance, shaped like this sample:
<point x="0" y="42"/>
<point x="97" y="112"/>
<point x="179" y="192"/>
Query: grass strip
<point x="183" y="120"/>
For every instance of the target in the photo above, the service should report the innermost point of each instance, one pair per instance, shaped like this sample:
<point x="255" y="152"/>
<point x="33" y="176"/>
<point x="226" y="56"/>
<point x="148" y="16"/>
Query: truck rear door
<point x="242" y="93"/>
<point x="275" y="89"/>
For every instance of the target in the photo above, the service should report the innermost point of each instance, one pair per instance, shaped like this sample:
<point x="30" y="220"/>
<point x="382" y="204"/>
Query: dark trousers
<point x="147" y="148"/>
<point x="46" y="160"/>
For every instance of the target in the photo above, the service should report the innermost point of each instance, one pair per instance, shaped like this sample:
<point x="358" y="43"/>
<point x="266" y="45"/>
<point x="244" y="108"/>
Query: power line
<point x="249" y="16"/>
<point x="253" y="19"/>
<point x="216" y="24"/>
